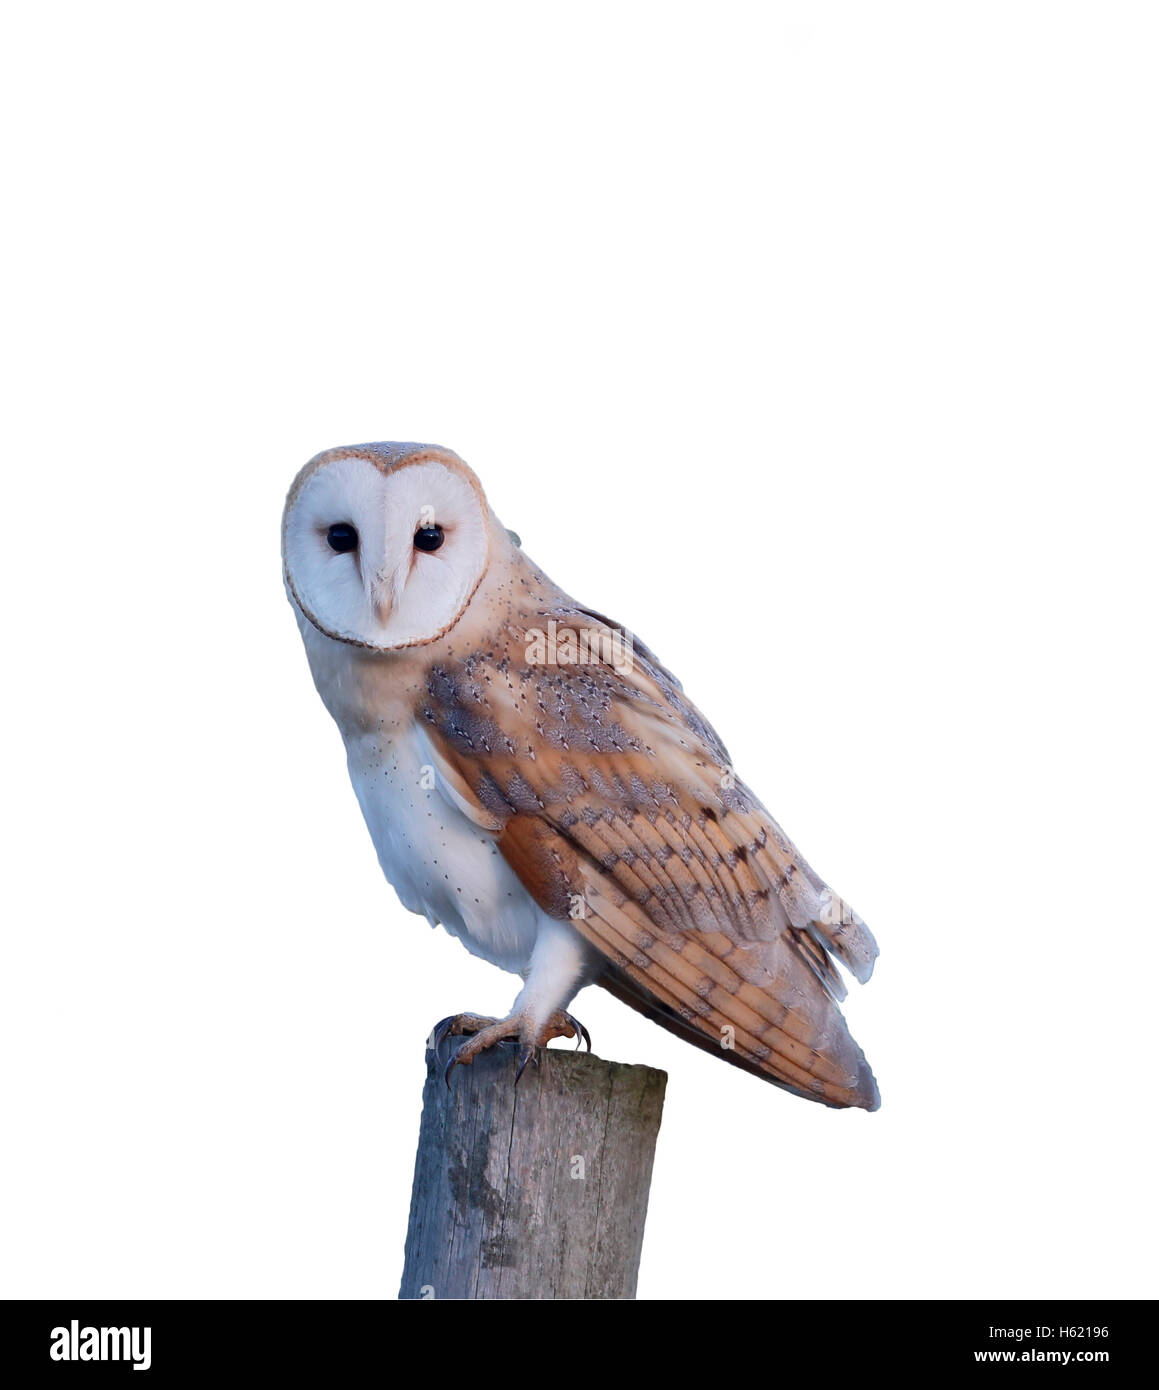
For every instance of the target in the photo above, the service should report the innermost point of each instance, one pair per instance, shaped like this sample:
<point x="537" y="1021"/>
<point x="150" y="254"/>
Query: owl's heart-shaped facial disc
<point x="384" y="551"/>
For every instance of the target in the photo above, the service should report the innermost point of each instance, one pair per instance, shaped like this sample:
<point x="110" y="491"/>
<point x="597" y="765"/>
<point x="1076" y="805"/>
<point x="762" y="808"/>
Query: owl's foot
<point x="486" y="1032"/>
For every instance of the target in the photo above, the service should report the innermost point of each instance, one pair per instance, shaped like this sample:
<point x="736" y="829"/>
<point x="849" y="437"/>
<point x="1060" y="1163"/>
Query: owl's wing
<point x="614" y="802"/>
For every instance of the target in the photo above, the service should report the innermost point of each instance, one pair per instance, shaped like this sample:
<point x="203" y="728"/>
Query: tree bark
<point x="532" y="1191"/>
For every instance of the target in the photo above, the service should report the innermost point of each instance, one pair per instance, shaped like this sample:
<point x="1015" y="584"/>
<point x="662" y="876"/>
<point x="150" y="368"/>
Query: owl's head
<point x="383" y="545"/>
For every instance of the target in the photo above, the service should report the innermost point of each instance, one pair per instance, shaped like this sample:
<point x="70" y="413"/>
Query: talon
<point x="526" y="1054"/>
<point x="452" y="1064"/>
<point x="581" y="1033"/>
<point x="439" y="1036"/>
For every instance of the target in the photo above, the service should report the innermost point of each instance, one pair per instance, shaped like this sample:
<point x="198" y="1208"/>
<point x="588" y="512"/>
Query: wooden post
<point x="532" y="1191"/>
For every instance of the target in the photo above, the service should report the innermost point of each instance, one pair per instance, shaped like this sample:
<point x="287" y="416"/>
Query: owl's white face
<point x="384" y="556"/>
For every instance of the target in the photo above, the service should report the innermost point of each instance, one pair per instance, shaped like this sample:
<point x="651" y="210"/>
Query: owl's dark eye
<point x="342" y="537"/>
<point x="428" y="537"/>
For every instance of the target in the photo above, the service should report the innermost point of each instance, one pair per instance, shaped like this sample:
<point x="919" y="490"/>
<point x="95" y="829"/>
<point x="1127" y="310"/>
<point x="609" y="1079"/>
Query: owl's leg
<point x="560" y="963"/>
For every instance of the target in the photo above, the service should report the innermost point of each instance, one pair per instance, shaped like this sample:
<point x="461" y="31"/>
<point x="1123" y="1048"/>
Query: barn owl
<point x="537" y="782"/>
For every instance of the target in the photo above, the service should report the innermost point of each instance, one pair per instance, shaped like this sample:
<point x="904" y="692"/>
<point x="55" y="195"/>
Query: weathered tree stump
<point x="532" y="1191"/>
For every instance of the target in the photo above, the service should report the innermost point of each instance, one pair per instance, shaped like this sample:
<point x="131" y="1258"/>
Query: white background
<point x="817" y="343"/>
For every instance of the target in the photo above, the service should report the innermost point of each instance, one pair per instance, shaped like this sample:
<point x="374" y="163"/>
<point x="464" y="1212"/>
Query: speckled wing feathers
<point x="613" y="799"/>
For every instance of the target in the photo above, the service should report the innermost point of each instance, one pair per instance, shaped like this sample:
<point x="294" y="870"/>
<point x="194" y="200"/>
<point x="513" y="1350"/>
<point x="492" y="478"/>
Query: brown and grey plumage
<point x="606" y="795"/>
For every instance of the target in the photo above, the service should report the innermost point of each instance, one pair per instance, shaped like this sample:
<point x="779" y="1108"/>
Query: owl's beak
<point x="382" y="596"/>
<point x="384" y="588"/>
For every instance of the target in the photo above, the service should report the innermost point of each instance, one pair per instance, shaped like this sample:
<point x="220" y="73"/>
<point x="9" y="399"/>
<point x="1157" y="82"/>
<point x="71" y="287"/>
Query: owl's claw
<point x="438" y="1036"/>
<point x="581" y="1033"/>
<point x="526" y="1054"/>
<point x="455" y="1026"/>
<point x="489" y="1031"/>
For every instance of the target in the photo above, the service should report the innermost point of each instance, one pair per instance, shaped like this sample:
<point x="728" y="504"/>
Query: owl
<point x="538" y="783"/>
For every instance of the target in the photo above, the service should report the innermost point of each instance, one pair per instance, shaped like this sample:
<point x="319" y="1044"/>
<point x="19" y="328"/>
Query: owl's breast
<point x="440" y="864"/>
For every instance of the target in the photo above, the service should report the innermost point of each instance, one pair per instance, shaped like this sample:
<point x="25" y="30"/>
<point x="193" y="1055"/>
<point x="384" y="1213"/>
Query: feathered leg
<point x="560" y="965"/>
